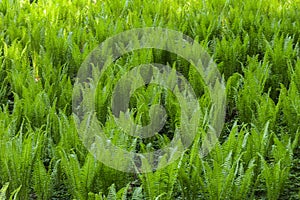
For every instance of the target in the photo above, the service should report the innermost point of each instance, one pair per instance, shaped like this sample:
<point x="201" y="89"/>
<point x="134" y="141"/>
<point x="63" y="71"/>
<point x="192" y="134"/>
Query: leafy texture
<point x="256" y="47"/>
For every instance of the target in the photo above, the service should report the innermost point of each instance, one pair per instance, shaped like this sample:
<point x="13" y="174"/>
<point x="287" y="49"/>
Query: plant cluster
<point x="256" y="47"/>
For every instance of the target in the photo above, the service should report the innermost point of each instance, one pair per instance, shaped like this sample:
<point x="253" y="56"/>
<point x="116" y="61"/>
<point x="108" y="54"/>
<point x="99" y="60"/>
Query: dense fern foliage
<point x="256" y="47"/>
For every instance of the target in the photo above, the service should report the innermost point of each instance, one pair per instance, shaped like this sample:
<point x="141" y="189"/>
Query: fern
<point x="161" y="182"/>
<point x="112" y="194"/>
<point x="42" y="182"/>
<point x="3" y="191"/>
<point x="256" y="47"/>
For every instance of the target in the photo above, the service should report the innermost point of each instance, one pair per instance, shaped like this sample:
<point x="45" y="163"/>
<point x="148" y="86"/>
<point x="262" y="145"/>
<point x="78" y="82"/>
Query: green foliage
<point x="256" y="47"/>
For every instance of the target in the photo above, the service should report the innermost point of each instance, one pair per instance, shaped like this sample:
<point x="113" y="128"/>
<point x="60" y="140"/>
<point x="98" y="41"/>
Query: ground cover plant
<point x="256" y="47"/>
